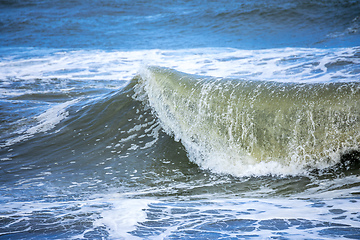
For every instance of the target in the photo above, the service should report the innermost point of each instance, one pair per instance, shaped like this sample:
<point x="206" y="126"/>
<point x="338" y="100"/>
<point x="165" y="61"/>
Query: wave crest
<point x="243" y="127"/>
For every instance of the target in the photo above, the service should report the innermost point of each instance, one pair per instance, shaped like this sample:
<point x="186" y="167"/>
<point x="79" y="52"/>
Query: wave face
<point x="243" y="127"/>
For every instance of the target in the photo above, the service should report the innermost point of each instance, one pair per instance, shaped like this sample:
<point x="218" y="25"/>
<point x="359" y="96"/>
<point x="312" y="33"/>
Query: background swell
<point x="159" y="24"/>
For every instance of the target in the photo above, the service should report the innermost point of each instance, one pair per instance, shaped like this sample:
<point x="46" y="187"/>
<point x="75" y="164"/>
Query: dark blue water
<point x="179" y="24"/>
<point x="85" y="153"/>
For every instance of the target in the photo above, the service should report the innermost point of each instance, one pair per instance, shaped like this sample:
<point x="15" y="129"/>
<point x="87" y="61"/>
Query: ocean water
<point x="179" y="119"/>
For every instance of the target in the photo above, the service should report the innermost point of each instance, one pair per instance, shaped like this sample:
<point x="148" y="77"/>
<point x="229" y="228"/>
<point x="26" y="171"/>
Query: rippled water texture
<point x="181" y="24"/>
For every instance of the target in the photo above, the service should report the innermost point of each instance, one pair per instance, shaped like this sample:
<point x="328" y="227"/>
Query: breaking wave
<point x="247" y="127"/>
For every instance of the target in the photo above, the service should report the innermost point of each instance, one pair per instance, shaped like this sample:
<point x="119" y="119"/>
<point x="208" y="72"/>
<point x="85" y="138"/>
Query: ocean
<point x="179" y="119"/>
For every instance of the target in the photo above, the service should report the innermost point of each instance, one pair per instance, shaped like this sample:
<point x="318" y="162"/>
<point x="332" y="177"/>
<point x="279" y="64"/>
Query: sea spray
<point x="243" y="127"/>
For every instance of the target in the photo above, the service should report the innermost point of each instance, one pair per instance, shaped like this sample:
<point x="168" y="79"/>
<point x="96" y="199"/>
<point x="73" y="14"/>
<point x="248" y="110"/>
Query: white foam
<point x="123" y="217"/>
<point x="284" y="64"/>
<point x="44" y="122"/>
<point x="126" y="218"/>
<point x="267" y="218"/>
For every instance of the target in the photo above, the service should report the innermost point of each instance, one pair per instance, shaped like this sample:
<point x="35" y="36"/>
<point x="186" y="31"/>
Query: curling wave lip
<point x="243" y="127"/>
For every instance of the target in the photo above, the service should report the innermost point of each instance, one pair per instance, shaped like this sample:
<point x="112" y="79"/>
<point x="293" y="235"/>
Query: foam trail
<point x="245" y="127"/>
<point x="45" y="122"/>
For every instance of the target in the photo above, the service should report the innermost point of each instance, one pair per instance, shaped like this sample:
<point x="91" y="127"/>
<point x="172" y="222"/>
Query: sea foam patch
<point x="43" y="122"/>
<point x="241" y="218"/>
<point x="279" y="64"/>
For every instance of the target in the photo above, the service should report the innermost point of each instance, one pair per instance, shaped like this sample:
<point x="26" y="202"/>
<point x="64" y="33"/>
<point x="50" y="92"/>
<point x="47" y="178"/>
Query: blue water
<point x="182" y="24"/>
<point x="84" y="155"/>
